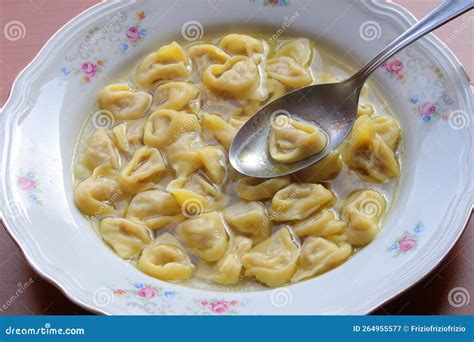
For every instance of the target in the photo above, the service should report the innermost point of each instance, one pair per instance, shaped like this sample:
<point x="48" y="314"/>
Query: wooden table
<point x="42" y="18"/>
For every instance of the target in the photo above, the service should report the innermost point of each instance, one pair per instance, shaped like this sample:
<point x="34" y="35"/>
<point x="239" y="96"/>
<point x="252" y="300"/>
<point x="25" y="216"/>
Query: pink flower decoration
<point x="147" y="292"/>
<point x="394" y="67"/>
<point x="133" y="34"/>
<point x="407" y="243"/>
<point x="26" y="184"/>
<point x="220" y="306"/>
<point x="119" y="292"/>
<point x="89" y="69"/>
<point x="427" y="108"/>
<point x="204" y="302"/>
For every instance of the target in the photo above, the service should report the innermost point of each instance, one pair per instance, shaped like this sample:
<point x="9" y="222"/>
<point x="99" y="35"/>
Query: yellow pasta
<point x="123" y="102"/>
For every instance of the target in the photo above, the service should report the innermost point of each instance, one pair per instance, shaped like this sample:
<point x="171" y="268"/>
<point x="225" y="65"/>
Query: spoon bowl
<point x="332" y="107"/>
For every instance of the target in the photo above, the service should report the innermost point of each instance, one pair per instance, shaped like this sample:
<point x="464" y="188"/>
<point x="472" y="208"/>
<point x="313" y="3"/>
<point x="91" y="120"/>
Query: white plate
<point x="425" y="86"/>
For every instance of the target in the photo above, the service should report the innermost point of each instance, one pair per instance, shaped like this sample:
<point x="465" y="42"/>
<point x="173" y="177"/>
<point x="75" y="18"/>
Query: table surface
<point x="42" y="18"/>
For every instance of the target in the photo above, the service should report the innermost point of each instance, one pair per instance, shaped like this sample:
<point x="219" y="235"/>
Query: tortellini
<point x="143" y="171"/>
<point x="326" y="169"/>
<point x="273" y="261"/>
<point x="256" y="189"/>
<point x="155" y="208"/>
<point x="164" y="126"/>
<point x="176" y="95"/>
<point x="205" y="235"/>
<point x="213" y="159"/>
<point x="195" y="194"/>
<point x="238" y="78"/>
<point x="184" y="155"/>
<point x="123" y="102"/>
<point x="363" y="211"/>
<point x="128" y="136"/>
<point x="241" y="44"/>
<point x="368" y="154"/>
<point x="127" y="238"/>
<point x="298" y="201"/>
<point x="169" y="62"/>
<point x="228" y="269"/>
<point x="298" y="49"/>
<point x="288" y="72"/>
<point x="221" y="130"/>
<point x="160" y="190"/>
<point x="318" y="256"/>
<point x="101" y="150"/>
<point x="295" y="141"/>
<point x="204" y="55"/>
<point x="166" y="259"/>
<point x="250" y="219"/>
<point x="388" y="129"/>
<point x="95" y="196"/>
<point x="323" y="223"/>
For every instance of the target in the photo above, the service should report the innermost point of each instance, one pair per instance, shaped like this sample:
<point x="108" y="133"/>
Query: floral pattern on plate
<point x="407" y="242"/>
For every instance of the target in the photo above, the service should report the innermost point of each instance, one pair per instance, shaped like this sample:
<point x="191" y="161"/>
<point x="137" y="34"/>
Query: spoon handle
<point x="445" y="12"/>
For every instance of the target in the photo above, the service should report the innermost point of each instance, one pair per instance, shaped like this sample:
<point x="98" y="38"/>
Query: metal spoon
<point x="332" y="107"/>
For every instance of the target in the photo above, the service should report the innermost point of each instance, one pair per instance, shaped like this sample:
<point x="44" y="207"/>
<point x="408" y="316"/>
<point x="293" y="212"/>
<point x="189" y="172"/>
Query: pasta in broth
<point x="159" y="188"/>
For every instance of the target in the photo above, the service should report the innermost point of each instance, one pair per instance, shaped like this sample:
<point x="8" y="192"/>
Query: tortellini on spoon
<point x="166" y="259"/>
<point x="127" y="238"/>
<point x="295" y="140"/>
<point x="155" y="208"/>
<point x="168" y="63"/>
<point x="368" y="154"/>
<point x="205" y="235"/>
<point x="318" y="256"/>
<point x="363" y="210"/>
<point x="273" y="261"/>
<point x="123" y="102"/>
<point x="143" y="171"/>
<point x="299" y="201"/>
